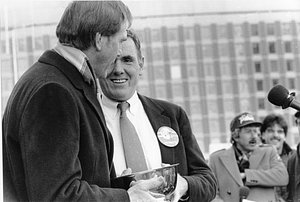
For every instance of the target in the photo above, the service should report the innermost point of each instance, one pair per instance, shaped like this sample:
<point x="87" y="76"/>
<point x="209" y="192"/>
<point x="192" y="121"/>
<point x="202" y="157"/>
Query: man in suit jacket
<point x="247" y="164"/>
<point x="293" y="167"/>
<point x="56" y="146"/>
<point x="163" y="128"/>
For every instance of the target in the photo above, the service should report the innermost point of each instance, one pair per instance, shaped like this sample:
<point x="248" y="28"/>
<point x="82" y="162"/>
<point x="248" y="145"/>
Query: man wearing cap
<point x="293" y="167"/>
<point x="247" y="163"/>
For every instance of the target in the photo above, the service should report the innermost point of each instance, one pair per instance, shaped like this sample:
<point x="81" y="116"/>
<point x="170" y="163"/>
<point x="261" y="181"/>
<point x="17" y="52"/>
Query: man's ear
<point x="235" y="135"/>
<point x="141" y="63"/>
<point x="98" y="41"/>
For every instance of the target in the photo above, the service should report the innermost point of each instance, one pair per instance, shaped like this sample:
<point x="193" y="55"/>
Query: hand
<point x="181" y="189"/>
<point x="139" y="191"/>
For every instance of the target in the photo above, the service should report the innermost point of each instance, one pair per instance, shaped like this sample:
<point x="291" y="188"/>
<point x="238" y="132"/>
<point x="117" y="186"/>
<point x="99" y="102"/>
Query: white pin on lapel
<point x="167" y="136"/>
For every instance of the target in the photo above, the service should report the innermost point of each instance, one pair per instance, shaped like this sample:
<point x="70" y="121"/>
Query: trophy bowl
<point x="169" y="173"/>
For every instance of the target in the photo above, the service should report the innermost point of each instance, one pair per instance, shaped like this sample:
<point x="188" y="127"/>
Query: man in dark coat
<point x="293" y="167"/>
<point x="56" y="145"/>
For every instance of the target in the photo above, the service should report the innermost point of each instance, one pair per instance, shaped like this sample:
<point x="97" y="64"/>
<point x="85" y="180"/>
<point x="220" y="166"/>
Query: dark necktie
<point x="134" y="155"/>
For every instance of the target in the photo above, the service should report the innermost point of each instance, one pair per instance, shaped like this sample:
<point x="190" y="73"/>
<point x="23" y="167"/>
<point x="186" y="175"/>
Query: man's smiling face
<point x="119" y="81"/>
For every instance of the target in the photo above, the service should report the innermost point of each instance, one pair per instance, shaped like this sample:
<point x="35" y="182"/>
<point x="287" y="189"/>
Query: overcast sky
<point x="44" y="11"/>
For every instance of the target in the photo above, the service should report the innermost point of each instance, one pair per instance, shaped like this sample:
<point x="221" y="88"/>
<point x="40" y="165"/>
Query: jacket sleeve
<point x="201" y="180"/>
<point x="271" y="173"/>
<point x="50" y="144"/>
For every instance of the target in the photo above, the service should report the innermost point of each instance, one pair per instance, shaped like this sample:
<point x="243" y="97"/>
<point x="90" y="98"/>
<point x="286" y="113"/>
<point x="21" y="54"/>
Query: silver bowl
<point x="169" y="173"/>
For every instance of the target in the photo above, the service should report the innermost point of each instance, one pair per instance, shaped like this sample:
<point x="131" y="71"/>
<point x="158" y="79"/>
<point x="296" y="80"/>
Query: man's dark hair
<point x="83" y="19"/>
<point x="272" y="119"/>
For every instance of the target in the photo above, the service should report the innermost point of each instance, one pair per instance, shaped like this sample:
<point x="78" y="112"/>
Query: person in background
<point x="56" y="145"/>
<point x="247" y="163"/>
<point x="163" y="128"/>
<point x="293" y="167"/>
<point x="274" y="130"/>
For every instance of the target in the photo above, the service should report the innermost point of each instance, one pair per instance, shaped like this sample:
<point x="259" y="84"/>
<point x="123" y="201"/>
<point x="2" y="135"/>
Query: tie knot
<point x="123" y="106"/>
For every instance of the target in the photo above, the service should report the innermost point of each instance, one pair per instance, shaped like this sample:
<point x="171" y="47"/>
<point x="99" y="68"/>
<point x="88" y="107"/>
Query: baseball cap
<point x="243" y="120"/>
<point x="297" y="114"/>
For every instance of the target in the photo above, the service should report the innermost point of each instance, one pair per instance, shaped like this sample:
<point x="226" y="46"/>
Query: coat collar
<point x="229" y="161"/>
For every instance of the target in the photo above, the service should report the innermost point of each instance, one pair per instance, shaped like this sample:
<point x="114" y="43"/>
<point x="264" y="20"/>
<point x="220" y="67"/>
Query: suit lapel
<point x="229" y="161"/>
<point x="255" y="158"/>
<point x="157" y="120"/>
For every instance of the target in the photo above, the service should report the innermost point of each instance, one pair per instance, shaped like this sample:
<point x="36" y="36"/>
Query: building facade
<point x="215" y="64"/>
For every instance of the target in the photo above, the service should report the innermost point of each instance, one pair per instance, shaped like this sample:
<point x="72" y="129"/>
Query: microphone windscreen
<point x="278" y="95"/>
<point x="244" y="192"/>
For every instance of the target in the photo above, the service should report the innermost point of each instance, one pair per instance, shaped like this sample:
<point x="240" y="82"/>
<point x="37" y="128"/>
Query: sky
<point x="28" y="11"/>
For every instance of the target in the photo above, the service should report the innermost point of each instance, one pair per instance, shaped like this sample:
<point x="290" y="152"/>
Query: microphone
<point x="280" y="96"/>
<point x="244" y="192"/>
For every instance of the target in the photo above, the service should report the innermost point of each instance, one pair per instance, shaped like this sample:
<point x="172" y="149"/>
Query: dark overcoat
<point x="56" y="146"/>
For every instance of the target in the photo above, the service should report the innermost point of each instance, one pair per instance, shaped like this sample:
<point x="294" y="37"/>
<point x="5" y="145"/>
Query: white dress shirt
<point x="139" y="119"/>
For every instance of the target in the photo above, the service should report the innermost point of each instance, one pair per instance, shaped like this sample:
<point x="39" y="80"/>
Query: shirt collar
<point x="112" y="105"/>
<point x="79" y="60"/>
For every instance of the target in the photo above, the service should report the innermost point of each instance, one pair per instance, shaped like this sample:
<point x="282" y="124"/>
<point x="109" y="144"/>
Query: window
<point x="239" y="49"/>
<point x="228" y="105"/>
<point x="238" y="31"/>
<point x="157" y="54"/>
<point x="289" y="65"/>
<point x="194" y="90"/>
<point x="255" y="48"/>
<point x="192" y="70"/>
<point x="212" y="106"/>
<point x="245" y="104"/>
<point x="177" y="90"/>
<point x="38" y="45"/>
<point x="155" y="35"/>
<point x="272" y="48"/>
<point x="223" y="50"/>
<point x="274" y="67"/>
<point x="222" y="31"/>
<point x="195" y="107"/>
<point x="159" y="72"/>
<point x="270" y="29"/>
<point x="209" y="69"/>
<point x="190" y="52"/>
<point x="189" y="33"/>
<point x="227" y="87"/>
<point x="291" y="83"/>
<point x="21" y="45"/>
<point x="207" y="50"/>
<point x="3" y="46"/>
<point x="174" y="53"/>
<point x="211" y="88"/>
<point x="225" y="68"/>
<point x="257" y="67"/>
<point x="275" y="82"/>
<point x="141" y="35"/>
<point x="259" y="85"/>
<point x="205" y="32"/>
<point x="288" y="46"/>
<point x="175" y="72"/>
<point x="261" y="103"/>
<point x="243" y="86"/>
<point x="286" y="29"/>
<point x="160" y="92"/>
<point x="254" y="30"/>
<point x="172" y="35"/>
<point x="241" y="68"/>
